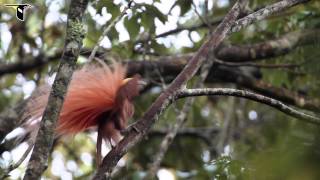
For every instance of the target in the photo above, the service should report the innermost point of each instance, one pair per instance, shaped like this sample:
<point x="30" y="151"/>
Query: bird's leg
<point x="98" y="148"/>
<point x="131" y="127"/>
<point x="111" y="145"/>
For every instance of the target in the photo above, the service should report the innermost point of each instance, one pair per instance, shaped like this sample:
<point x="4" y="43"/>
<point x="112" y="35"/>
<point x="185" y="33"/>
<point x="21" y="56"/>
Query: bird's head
<point x="132" y="86"/>
<point x="136" y="79"/>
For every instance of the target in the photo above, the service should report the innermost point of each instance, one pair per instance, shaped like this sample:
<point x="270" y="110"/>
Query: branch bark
<point x="268" y="49"/>
<point x="141" y="127"/>
<point x="265" y="12"/>
<point x="44" y="141"/>
<point x="252" y="96"/>
<point x="170" y="66"/>
<point x="181" y="116"/>
<point x="282" y="45"/>
<point x="107" y="30"/>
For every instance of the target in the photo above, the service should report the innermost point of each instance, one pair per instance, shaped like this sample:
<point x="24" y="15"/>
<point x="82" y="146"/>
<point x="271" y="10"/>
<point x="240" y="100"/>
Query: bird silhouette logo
<point x="20" y="9"/>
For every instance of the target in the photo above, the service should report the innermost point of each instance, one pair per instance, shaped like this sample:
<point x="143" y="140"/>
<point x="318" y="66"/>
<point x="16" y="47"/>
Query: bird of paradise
<point x="98" y="96"/>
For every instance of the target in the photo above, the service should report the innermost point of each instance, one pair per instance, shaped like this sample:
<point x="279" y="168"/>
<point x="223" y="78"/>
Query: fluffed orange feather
<point x="92" y="91"/>
<point x="98" y="96"/>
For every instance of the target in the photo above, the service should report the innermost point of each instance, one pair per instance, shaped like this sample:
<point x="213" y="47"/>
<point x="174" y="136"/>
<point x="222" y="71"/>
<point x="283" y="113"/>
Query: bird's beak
<point x="126" y="80"/>
<point x="141" y="84"/>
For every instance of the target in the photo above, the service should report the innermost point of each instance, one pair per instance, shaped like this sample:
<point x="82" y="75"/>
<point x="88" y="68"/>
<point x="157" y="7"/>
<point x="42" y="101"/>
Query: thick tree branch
<point x="268" y="49"/>
<point x="169" y="67"/>
<point x="226" y="53"/>
<point x="144" y="124"/>
<point x="250" y="64"/>
<point x="265" y="12"/>
<point x="27" y="64"/>
<point x="168" y="139"/>
<point x="211" y="22"/>
<point x="282" y="94"/>
<point x="252" y="96"/>
<point x="181" y="117"/>
<point x="44" y="141"/>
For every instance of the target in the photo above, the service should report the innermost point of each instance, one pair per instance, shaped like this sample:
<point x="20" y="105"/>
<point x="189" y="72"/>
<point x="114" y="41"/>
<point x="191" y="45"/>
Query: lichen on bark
<point x="44" y="141"/>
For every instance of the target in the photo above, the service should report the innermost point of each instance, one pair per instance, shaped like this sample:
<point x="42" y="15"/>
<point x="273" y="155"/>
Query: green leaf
<point x="185" y="6"/>
<point x="153" y="11"/>
<point x="158" y="48"/>
<point x="113" y="34"/>
<point x="147" y="22"/>
<point x="132" y="26"/>
<point x="113" y="9"/>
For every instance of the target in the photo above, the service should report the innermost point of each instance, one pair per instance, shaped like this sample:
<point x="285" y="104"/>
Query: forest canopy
<point x="231" y="88"/>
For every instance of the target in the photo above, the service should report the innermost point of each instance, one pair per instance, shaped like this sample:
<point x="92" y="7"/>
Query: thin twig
<point x="142" y="127"/>
<point x="204" y="20"/>
<point x="252" y="96"/>
<point x="263" y="13"/>
<point x="249" y="64"/>
<point x="182" y="116"/>
<point x="18" y="163"/>
<point x="181" y="119"/>
<point x="223" y="135"/>
<point x="107" y="30"/>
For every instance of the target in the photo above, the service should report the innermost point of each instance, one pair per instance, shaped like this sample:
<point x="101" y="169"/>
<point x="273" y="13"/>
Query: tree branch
<point x="44" y="141"/>
<point x="282" y="94"/>
<point x="13" y="166"/>
<point x="211" y="22"/>
<point x="252" y="96"/>
<point x="107" y="30"/>
<point x="141" y="127"/>
<point x="250" y="64"/>
<point x="181" y="118"/>
<point x="27" y="64"/>
<point x="168" y="139"/>
<point x="268" y="49"/>
<point x="226" y="53"/>
<point x="169" y="67"/>
<point x="265" y="12"/>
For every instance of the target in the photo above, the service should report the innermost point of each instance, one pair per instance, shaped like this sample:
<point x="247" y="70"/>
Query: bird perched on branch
<point x="98" y="96"/>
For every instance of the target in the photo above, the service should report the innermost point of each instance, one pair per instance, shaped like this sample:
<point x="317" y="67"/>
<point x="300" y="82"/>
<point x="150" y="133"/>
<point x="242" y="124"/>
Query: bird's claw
<point x="111" y="145"/>
<point x="129" y="128"/>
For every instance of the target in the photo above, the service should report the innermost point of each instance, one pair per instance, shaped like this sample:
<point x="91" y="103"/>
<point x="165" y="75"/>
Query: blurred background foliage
<point x="252" y="141"/>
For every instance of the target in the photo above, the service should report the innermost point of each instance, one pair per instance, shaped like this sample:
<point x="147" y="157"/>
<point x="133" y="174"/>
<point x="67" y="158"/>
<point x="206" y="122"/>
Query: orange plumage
<point x="98" y="96"/>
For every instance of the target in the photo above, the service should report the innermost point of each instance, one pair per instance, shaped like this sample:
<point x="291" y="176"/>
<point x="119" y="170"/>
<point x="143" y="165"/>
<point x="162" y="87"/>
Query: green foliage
<point x="185" y="6"/>
<point x="112" y="8"/>
<point x="155" y="12"/>
<point x="273" y="146"/>
<point x="227" y="168"/>
<point x="132" y="25"/>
